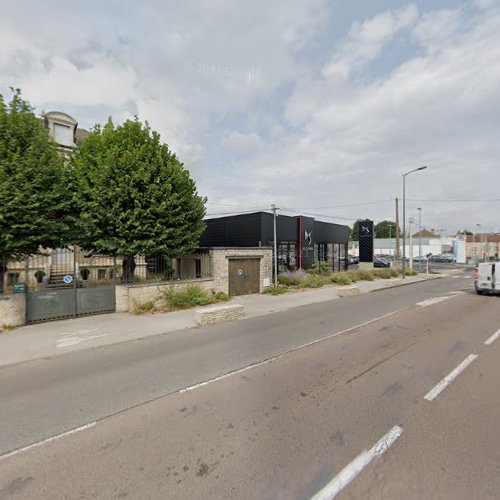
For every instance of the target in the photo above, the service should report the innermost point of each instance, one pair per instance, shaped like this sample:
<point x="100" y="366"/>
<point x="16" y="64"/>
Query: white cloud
<point x="263" y="103"/>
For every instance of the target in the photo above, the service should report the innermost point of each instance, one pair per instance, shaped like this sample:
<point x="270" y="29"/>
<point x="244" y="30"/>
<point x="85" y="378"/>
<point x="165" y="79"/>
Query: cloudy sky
<point x="318" y="106"/>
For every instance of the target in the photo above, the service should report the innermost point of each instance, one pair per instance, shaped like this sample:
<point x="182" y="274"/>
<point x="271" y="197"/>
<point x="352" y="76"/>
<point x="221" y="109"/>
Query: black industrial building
<point x="302" y="241"/>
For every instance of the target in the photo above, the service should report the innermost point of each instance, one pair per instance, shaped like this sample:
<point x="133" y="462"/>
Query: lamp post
<point x="404" y="216"/>
<point x="274" y="209"/>
<point x="419" y="238"/>
<point x="480" y="242"/>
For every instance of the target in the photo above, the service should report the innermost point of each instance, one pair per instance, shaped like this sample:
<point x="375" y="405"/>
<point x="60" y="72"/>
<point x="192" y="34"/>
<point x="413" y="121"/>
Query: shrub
<point x="362" y="275"/>
<point x="143" y="308"/>
<point x="275" y="290"/>
<point x="383" y="273"/>
<point x="394" y="273"/>
<point x="284" y="280"/>
<point x="312" y="281"/>
<point x="191" y="296"/>
<point x="353" y="276"/>
<point x="410" y="272"/>
<point x="341" y="278"/>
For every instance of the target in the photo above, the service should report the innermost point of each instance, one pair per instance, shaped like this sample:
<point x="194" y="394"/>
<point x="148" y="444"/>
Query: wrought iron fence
<point x="76" y="267"/>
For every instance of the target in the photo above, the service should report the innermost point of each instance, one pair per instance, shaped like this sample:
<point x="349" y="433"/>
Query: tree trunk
<point x="2" y="272"/>
<point x="128" y="268"/>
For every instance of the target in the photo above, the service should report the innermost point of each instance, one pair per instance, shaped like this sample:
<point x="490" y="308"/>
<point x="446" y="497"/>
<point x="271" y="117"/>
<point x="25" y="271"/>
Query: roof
<point x="80" y="134"/>
<point x="480" y="237"/>
<point x="425" y="233"/>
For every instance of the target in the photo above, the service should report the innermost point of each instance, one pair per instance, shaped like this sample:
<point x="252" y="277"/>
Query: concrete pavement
<point x="62" y="337"/>
<point x="286" y="427"/>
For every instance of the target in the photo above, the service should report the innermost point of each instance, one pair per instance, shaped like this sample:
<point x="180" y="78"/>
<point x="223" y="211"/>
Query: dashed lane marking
<point x="352" y="470"/>
<point x="492" y="339"/>
<point x="441" y="386"/>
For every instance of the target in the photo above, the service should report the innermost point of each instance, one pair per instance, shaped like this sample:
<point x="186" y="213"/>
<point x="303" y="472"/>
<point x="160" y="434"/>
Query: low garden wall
<point x="129" y="296"/>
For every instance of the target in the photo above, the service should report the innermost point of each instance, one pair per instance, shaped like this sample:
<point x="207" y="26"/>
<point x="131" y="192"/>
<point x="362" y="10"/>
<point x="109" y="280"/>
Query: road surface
<point x="289" y="405"/>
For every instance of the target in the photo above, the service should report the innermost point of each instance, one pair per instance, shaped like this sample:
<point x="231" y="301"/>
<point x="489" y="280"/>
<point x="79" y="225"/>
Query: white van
<point x="487" y="277"/>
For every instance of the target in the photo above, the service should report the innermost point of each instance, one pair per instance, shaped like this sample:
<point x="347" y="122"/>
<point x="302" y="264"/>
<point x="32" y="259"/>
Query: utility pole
<point x="410" y="222"/>
<point x="274" y="209"/>
<point x="397" y="229"/>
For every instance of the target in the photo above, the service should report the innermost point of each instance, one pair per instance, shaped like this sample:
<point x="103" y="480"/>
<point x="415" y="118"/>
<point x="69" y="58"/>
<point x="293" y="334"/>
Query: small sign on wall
<point x="266" y="282"/>
<point x="19" y="288"/>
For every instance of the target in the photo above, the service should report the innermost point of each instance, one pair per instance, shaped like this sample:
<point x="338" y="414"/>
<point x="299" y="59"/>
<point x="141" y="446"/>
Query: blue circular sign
<point x="68" y="279"/>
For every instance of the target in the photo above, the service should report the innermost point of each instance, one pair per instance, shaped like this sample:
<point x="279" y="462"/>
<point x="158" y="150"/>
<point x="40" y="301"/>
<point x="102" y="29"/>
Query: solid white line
<point x="352" y="470"/>
<point x="434" y="300"/>
<point x="274" y="358"/>
<point x="437" y="389"/>
<point x="48" y="440"/>
<point x="492" y="338"/>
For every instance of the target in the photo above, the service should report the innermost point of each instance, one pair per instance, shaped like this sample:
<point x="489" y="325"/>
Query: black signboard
<point x="366" y="241"/>
<point x="306" y="241"/>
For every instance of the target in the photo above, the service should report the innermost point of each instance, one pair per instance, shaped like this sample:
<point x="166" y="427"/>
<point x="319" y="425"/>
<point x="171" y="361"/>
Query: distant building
<point x="63" y="128"/>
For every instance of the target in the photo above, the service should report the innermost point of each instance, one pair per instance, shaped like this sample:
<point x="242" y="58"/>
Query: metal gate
<point x="244" y="276"/>
<point x="66" y="283"/>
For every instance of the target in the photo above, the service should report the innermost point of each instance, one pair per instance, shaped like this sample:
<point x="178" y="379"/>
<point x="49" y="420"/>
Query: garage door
<point x="244" y="276"/>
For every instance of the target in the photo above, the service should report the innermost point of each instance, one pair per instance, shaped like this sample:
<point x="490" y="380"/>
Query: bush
<point x="312" y="281"/>
<point x="143" y="308"/>
<point x="275" y="290"/>
<point x="341" y="278"/>
<point x="284" y="280"/>
<point x="191" y="296"/>
<point x="410" y="272"/>
<point x="394" y="273"/>
<point x="383" y="274"/>
<point x="353" y="276"/>
<point x="362" y="275"/>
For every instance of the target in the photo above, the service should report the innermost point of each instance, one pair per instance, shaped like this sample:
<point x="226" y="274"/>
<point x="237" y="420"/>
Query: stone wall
<point x="13" y="309"/>
<point x="128" y="296"/>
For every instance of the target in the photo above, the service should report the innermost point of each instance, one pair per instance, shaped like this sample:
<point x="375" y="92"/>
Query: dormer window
<point x="63" y="135"/>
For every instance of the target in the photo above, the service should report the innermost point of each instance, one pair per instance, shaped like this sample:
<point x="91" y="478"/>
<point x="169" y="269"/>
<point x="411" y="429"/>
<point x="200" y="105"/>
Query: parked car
<point x="381" y="262"/>
<point x="420" y="258"/>
<point x="486" y="280"/>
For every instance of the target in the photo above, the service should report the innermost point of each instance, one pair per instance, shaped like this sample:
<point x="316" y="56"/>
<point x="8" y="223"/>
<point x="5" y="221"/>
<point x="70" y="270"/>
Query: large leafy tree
<point x="34" y="195"/>
<point x="135" y="196"/>
<point x="385" y="229"/>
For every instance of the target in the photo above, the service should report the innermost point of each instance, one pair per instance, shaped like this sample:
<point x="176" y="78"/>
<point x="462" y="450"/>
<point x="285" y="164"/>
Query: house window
<point x="63" y="135"/>
<point x="101" y="274"/>
<point x="197" y="265"/>
<point x="12" y="278"/>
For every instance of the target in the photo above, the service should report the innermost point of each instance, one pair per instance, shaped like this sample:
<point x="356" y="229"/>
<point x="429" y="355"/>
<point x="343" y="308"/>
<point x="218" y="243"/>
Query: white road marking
<point x="48" y="440"/>
<point x="274" y="358"/>
<point x="492" y="338"/>
<point x="352" y="470"/>
<point x="438" y="388"/>
<point x="457" y="293"/>
<point x="69" y="339"/>
<point x="467" y="277"/>
<point x="434" y="300"/>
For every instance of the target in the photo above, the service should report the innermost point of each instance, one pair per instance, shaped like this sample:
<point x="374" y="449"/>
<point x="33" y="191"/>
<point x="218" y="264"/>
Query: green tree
<point x="34" y="199"/>
<point x="135" y="196"/>
<point x="385" y="229"/>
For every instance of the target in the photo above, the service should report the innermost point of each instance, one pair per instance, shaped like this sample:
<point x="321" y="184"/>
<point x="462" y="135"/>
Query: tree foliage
<point x="34" y="195"/>
<point x="385" y="229"/>
<point x="135" y="196"/>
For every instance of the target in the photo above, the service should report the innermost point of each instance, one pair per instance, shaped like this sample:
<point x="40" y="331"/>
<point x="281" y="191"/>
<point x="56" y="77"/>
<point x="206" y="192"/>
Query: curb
<point x="408" y="283"/>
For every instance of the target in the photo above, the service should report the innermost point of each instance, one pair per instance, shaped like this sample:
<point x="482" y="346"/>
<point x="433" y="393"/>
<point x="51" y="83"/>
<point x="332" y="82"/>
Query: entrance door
<point x="244" y="276"/>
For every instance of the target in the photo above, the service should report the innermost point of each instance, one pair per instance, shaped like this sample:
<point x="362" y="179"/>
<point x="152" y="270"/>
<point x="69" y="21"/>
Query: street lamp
<point x="419" y="238"/>
<point x="404" y="216"/>
<point x="480" y="241"/>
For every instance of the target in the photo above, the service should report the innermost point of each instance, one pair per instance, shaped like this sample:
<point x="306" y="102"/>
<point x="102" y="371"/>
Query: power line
<point x="456" y="200"/>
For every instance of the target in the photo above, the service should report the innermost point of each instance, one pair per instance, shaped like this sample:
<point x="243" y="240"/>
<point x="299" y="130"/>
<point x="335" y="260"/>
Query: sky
<point x="318" y="106"/>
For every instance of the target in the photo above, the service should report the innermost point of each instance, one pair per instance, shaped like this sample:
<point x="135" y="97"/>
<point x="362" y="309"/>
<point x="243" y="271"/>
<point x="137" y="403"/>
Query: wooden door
<point x="244" y="276"/>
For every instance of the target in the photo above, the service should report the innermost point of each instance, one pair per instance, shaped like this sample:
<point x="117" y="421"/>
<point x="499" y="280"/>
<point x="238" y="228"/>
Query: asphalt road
<point x="282" y="429"/>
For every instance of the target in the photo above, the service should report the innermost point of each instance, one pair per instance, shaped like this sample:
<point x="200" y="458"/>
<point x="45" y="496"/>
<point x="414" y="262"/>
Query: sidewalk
<point x="62" y="337"/>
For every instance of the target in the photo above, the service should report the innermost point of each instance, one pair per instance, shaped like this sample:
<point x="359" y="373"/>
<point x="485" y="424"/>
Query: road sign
<point x="68" y="279"/>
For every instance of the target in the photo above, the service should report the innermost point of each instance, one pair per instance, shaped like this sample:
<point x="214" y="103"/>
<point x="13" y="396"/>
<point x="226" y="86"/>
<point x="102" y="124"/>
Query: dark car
<point x="381" y="262"/>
